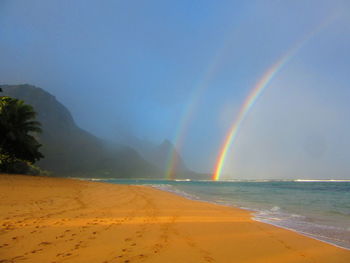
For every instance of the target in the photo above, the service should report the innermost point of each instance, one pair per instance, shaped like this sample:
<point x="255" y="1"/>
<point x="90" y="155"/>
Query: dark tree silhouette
<point x="17" y="130"/>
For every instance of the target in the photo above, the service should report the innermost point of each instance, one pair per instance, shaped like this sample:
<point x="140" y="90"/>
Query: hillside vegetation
<point x="69" y="150"/>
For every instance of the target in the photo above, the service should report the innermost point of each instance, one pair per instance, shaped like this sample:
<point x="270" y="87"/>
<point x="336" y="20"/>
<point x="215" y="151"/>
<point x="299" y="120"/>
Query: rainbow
<point x="254" y="95"/>
<point x="184" y="124"/>
<point x="179" y="139"/>
<point x="190" y="110"/>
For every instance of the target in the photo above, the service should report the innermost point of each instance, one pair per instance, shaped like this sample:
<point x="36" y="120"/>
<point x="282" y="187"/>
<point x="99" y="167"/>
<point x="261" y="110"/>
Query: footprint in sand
<point x="142" y="256"/>
<point x="36" y="250"/>
<point x="208" y="259"/>
<point x="17" y="258"/>
<point x="44" y="243"/>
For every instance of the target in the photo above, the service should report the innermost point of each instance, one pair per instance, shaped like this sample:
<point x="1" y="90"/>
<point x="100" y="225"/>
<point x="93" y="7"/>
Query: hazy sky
<point x="136" y="67"/>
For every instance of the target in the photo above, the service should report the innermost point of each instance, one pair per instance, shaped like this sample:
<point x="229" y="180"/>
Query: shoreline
<point x="45" y="219"/>
<point x="253" y="214"/>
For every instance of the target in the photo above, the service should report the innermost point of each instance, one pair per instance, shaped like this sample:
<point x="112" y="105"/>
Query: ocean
<point x="318" y="209"/>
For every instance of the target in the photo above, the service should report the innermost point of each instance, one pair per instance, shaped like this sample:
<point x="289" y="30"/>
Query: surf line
<point x="254" y="95"/>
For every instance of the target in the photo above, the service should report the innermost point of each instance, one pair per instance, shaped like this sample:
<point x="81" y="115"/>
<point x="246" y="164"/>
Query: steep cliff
<point x="70" y="150"/>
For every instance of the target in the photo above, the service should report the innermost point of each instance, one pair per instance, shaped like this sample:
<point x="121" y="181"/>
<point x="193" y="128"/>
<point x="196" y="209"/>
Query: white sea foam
<point x="275" y="208"/>
<point x="315" y="231"/>
<point x="172" y="189"/>
<point x="337" y="236"/>
<point x="321" y="180"/>
<point x="182" y="180"/>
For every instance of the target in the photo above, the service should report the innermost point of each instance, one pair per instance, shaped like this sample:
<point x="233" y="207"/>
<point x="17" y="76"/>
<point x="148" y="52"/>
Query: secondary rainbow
<point x="191" y="107"/>
<point x="251" y="99"/>
<point x="185" y="121"/>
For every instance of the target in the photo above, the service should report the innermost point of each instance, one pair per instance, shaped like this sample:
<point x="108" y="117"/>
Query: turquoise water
<point x="317" y="209"/>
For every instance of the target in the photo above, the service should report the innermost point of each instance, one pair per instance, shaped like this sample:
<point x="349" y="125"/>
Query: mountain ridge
<point x="71" y="151"/>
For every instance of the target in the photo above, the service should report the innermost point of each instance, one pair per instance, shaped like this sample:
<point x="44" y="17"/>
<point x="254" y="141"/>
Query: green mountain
<point x="69" y="150"/>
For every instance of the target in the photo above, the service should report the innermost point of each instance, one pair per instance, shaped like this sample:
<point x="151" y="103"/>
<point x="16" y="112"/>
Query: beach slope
<point x="53" y="220"/>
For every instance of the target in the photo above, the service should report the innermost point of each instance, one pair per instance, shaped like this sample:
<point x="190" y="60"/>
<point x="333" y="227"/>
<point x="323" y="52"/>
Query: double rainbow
<point x="190" y="111"/>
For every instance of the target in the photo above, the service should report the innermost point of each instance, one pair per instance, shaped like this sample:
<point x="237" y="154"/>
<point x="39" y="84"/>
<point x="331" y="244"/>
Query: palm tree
<point x="17" y="127"/>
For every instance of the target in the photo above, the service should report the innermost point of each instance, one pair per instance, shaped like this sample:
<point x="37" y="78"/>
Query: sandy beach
<point x="53" y="220"/>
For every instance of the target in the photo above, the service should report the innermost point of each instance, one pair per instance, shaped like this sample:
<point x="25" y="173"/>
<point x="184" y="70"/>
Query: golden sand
<point x="47" y="220"/>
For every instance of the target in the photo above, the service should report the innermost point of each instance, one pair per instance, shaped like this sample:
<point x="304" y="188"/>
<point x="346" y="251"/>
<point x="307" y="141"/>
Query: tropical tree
<point x="17" y="129"/>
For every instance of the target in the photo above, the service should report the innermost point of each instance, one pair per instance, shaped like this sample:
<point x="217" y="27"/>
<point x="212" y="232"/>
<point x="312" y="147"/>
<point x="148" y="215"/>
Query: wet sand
<point x="53" y="220"/>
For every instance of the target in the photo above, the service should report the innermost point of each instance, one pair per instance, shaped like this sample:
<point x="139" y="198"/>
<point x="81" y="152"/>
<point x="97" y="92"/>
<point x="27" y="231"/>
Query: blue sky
<point x="133" y="67"/>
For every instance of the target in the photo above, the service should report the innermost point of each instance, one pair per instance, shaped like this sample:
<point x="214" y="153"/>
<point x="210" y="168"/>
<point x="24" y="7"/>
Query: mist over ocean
<point x="319" y="209"/>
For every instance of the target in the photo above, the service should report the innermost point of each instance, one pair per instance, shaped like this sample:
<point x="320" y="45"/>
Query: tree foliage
<point x="17" y="133"/>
